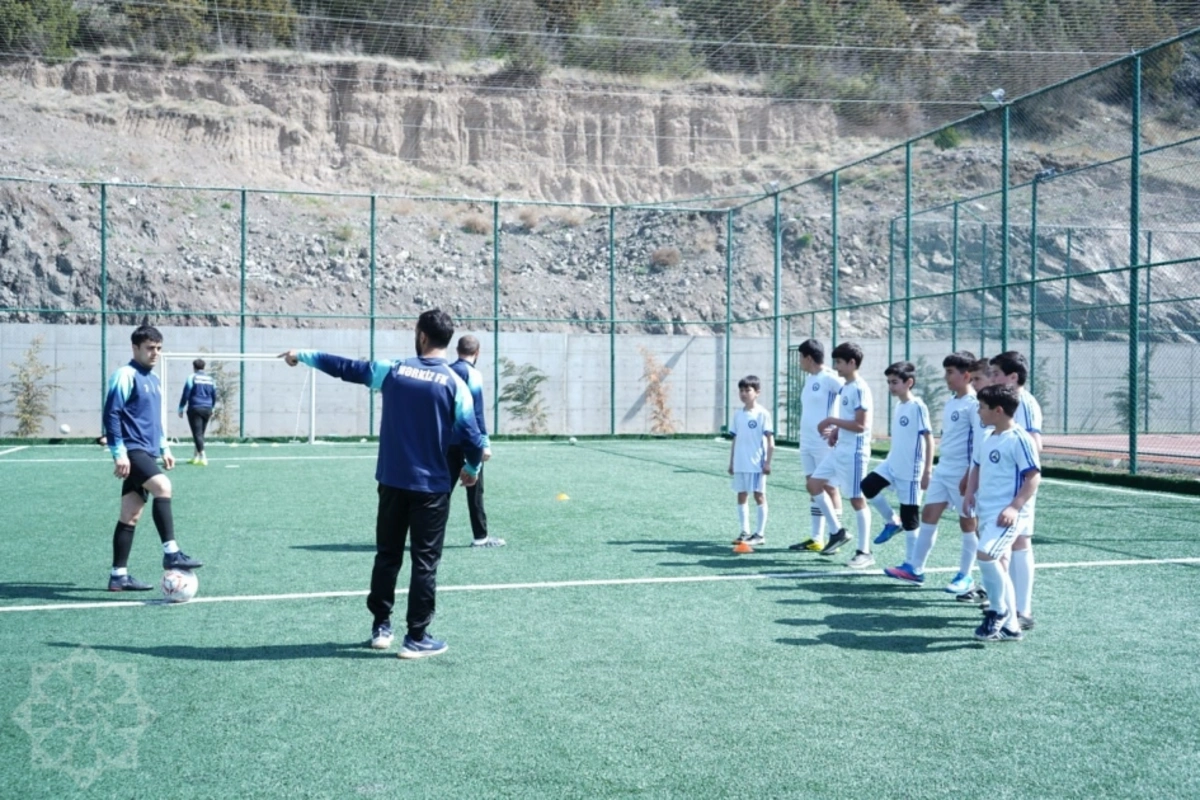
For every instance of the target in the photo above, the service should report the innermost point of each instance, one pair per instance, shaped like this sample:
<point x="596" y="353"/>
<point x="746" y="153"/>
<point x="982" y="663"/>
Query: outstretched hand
<point x="290" y="358"/>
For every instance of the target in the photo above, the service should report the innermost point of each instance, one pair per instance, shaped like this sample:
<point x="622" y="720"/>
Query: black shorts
<point x="142" y="467"/>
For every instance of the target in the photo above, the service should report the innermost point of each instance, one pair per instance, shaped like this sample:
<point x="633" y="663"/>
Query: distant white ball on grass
<point x="233" y="444"/>
<point x="573" y="440"/>
<point x="362" y="441"/>
<point x="179" y="585"/>
<point x="64" y="428"/>
<point x="254" y="444"/>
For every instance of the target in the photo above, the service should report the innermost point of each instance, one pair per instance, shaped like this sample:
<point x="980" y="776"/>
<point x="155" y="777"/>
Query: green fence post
<point x="954" y="285"/>
<point x="907" y="252"/>
<point x="1135" y="171"/>
<point x="833" y="324"/>
<point x="495" y="317"/>
<point x="775" y="311"/>
<point x="612" y="321"/>
<point x="728" y="307"/>
<point x="1033" y="287"/>
<point x="371" y="321"/>
<point x="983" y="278"/>
<point x="1066" y="394"/>
<point x="242" y="325"/>
<point x="1004" y="232"/>
<point x="1149" y="332"/>
<point x="103" y="294"/>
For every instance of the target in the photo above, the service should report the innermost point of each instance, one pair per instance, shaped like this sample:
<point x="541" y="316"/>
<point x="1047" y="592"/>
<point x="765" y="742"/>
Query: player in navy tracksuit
<point x="468" y="354"/>
<point x="199" y="397"/>
<point x="425" y="404"/>
<point x="133" y="427"/>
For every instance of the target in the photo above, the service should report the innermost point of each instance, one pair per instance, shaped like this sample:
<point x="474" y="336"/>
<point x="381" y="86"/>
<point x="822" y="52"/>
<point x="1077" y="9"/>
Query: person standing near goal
<point x="425" y="406"/>
<point x="134" y="434"/>
<point x="198" y="399"/>
<point x="468" y="355"/>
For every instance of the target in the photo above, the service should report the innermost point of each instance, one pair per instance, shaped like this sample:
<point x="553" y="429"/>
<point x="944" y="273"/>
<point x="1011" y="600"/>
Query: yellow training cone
<point x="562" y="496"/>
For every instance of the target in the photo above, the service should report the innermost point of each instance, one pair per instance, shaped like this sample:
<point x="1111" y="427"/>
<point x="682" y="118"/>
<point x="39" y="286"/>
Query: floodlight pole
<point x="728" y="306"/>
<point x="612" y="321"/>
<point x="954" y="284"/>
<point x="496" y="317"/>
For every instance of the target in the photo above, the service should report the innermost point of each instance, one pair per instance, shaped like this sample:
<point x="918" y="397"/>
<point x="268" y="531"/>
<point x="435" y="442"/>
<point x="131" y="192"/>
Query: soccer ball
<point x="65" y="428"/>
<point x="572" y="440"/>
<point x="179" y="585"/>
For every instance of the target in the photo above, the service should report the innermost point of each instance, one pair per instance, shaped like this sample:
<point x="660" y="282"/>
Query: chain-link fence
<point x="1060" y="224"/>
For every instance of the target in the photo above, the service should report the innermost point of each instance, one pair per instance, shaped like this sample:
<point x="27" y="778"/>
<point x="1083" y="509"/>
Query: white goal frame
<point x="164" y="379"/>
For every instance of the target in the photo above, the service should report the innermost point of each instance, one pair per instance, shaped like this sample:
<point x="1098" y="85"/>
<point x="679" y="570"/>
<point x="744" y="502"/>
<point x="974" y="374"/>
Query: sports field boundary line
<point x="14" y="450"/>
<point x="495" y="587"/>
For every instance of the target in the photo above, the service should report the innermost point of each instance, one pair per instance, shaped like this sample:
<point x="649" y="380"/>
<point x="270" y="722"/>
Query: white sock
<point x="762" y="519"/>
<point x="966" y="559"/>
<point x="823" y="502"/>
<point x="743" y="518"/>
<point x="818" y="523"/>
<point x="863" y="517"/>
<point x="885" y="509"/>
<point x="998" y="585"/>
<point x="171" y="547"/>
<point x="926" y="538"/>
<point x="910" y="546"/>
<point x="1021" y="568"/>
<point x="119" y="571"/>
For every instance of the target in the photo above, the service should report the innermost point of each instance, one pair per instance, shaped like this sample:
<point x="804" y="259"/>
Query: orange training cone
<point x="742" y="547"/>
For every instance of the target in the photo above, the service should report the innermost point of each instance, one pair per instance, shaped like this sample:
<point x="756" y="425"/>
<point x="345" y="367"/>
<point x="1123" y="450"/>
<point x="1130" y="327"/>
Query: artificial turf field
<point x="616" y="647"/>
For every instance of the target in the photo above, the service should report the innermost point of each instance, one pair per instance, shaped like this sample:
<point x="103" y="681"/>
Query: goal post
<point x="172" y="383"/>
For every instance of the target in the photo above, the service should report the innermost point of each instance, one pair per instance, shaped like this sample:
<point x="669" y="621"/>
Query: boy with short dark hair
<point x="850" y="433"/>
<point x="908" y="465"/>
<point x="960" y="425"/>
<point x="1012" y="369"/>
<point x="135" y="436"/>
<point x="750" y="455"/>
<point x="1002" y="488"/>
<point x="818" y="400"/>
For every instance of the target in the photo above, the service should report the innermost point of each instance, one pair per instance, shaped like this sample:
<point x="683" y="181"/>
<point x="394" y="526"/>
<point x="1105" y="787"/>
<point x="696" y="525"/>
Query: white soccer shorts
<point x="844" y="469"/>
<point x="996" y="541"/>
<point x="811" y="457"/>
<point x="749" y="482"/>
<point x="908" y="492"/>
<point x="943" y="488"/>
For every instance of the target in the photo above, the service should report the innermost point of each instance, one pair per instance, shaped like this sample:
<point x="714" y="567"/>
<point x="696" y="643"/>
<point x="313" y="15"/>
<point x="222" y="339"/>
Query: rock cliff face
<point x="561" y="140"/>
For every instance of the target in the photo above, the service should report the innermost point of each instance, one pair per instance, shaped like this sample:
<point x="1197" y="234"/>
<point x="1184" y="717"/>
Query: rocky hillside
<point x="361" y="127"/>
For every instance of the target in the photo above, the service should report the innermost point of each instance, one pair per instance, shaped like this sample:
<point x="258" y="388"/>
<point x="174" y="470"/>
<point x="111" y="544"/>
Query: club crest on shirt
<point x="816" y="387"/>
<point x="994" y="456"/>
<point x="954" y="416"/>
<point x="845" y="401"/>
<point x="904" y="422"/>
<point x="752" y="424"/>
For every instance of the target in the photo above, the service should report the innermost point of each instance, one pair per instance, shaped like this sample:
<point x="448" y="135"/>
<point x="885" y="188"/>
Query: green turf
<point x="822" y="684"/>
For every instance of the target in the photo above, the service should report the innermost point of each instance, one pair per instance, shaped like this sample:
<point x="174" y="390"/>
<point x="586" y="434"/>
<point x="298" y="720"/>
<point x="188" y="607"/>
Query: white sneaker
<point x="861" y="560"/>
<point x="490" y="541"/>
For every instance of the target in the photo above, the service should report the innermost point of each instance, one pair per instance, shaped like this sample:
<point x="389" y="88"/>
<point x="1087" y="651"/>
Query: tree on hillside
<point x="44" y="28"/>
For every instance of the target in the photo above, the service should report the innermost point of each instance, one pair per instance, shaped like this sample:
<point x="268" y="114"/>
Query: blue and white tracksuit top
<point x="199" y="392"/>
<point x="133" y="411"/>
<point x="473" y="378"/>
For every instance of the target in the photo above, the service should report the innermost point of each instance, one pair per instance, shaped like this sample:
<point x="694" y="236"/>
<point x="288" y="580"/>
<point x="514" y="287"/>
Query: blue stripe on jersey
<point x="424" y="404"/>
<point x="133" y="411"/>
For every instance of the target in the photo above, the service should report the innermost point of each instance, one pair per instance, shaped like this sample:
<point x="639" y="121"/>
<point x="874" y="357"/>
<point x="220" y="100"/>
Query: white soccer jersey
<point x="749" y="431"/>
<point x="1029" y="413"/>
<point x="960" y="433"/>
<point x="818" y="400"/>
<point x="1005" y="459"/>
<point x="907" y="455"/>
<point x="855" y="396"/>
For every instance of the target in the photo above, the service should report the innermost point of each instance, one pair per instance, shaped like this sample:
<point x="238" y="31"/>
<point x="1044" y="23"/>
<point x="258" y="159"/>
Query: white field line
<point x="14" y="450"/>
<point x="495" y="587"/>
<point x="225" y="460"/>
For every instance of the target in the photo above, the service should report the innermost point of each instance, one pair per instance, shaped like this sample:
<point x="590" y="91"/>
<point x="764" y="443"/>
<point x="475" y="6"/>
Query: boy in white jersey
<point x="850" y="434"/>
<point x="818" y="400"/>
<point x="1011" y="369"/>
<point x="974" y="593"/>
<point x="1001" y="490"/>
<point x="908" y="466"/>
<point x="750" y="458"/>
<point x="960" y="424"/>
